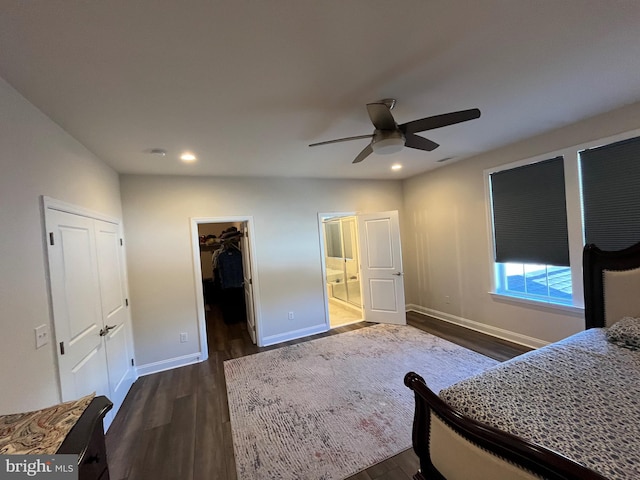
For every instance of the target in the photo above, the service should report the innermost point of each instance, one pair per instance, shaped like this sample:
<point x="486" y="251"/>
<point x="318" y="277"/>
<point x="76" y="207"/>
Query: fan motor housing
<point x="387" y="141"/>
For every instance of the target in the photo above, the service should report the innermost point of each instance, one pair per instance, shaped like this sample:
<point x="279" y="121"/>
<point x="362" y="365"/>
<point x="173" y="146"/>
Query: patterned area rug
<point x="329" y="408"/>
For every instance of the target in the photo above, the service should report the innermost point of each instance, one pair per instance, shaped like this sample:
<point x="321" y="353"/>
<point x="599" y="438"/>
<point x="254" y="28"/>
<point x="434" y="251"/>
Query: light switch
<point x="42" y="335"/>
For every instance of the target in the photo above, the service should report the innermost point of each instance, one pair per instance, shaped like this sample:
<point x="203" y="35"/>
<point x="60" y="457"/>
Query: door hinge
<point x="126" y="302"/>
<point x="121" y="242"/>
<point x="132" y="362"/>
<point x="50" y="238"/>
<point x="61" y="348"/>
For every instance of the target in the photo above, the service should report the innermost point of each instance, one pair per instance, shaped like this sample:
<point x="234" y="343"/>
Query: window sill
<point x="540" y="304"/>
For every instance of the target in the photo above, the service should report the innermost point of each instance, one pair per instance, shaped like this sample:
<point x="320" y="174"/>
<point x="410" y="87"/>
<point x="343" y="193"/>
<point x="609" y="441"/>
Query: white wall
<point x="447" y="240"/>
<point x="36" y="158"/>
<point x="287" y="249"/>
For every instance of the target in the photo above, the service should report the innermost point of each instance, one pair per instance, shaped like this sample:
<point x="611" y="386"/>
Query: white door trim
<point x="52" y="203"/>
<point x="197" y="273"/>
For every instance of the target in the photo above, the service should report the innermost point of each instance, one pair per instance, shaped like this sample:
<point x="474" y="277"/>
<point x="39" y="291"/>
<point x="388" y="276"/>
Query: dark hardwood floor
<point x="175" y="424"/>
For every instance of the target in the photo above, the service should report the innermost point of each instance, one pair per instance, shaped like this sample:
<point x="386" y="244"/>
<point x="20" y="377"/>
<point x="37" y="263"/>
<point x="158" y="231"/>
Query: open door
<point x="248" y="282"/>
<point x="249" y="272"/>
<point x="381" y="268"/>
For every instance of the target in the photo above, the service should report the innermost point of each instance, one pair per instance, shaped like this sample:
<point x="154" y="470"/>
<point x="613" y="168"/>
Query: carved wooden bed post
<point x="421" y="427"/>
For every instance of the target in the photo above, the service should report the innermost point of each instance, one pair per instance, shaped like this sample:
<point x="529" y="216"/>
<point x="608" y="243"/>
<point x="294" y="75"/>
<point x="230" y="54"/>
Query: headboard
<point x="611" y="284"/>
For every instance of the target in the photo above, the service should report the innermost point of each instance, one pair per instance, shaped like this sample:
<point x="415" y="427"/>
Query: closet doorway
<point x="225" y="285"/>
<point x="342" y="269"/>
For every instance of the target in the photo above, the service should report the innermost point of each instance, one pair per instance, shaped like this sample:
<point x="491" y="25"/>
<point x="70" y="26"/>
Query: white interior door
<point x="248" y="283"/>
<point x="75" y="294"/>
<point x="114" y="310"/>
<point x="91" y="318"/>
<point x="381" y="268"/>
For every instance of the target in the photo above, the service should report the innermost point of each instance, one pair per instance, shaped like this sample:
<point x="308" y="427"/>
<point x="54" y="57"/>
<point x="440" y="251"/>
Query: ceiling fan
<point x="389" y="137"/>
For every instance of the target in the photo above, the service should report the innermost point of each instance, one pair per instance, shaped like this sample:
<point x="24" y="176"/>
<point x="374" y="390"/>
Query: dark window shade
<point x="530" y="214"/>
<point x="611" y="194"/>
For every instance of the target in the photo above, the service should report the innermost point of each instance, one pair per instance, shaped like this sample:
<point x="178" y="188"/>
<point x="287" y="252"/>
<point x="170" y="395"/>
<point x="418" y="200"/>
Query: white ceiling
<point x="247" y="85"/>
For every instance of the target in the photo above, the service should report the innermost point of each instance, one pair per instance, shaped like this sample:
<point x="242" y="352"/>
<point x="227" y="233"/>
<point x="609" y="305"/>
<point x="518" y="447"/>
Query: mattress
<point x="579" y="397"/>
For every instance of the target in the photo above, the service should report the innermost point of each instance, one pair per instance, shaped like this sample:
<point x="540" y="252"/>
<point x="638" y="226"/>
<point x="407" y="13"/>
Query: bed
<point x="569" y="410"/>
<point x="73" y="427"/>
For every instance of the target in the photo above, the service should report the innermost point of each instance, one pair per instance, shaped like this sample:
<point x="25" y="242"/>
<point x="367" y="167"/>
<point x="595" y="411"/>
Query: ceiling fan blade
<point x="419" y="143"/>
<point x="438" y="121"/>
<point x="363" y="154"/>
<point x="381" y="116"/>
<point x="346" y="139"/>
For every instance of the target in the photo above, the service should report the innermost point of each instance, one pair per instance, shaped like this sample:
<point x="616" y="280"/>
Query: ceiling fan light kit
<point x="386" y="142"/>
<point x="389" y="137"/>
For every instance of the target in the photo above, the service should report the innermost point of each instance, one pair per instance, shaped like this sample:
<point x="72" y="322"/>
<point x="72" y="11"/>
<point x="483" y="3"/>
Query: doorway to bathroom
<point x="342" y="269"/>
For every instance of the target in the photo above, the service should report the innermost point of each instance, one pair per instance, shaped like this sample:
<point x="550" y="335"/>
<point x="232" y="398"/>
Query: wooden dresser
<point x="86" y="439"/>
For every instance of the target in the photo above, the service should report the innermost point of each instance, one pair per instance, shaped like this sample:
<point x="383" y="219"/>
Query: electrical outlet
<point x="291" y="316"/>
<point x="184" y="337"/>
<point x="42" y="335"/>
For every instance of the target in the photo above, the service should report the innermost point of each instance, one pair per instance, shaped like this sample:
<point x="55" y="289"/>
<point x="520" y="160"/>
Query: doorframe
<point x="52" y="203"/>
<point x="49" y="203"/>
<point x="197" y="271"/>
<point x="322" y="217"/>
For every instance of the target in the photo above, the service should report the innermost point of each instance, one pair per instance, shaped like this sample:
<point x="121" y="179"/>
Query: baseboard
<point x="508" y="335"/>
<point x="169" y="364"/>
<point x="293" y="335"/>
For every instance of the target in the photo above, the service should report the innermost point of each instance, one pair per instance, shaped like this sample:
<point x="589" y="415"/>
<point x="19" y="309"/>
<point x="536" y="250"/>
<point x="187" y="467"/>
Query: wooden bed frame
<point x="86" y="439"/>
<point x="493" y="452"/>
<point x="443" y="438"/>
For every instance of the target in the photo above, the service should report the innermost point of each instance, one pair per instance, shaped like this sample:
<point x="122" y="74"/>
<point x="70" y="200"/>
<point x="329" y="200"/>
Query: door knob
<point x="398" y="274"/>
<point x="106" y="329"/>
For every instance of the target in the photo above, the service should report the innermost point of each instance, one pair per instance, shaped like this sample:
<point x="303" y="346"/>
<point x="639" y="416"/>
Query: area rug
<point x="328" y="408"/>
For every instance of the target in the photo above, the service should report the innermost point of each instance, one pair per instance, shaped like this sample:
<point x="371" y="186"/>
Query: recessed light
<point x="396" y="166"/>
<point x="188" y="157"/>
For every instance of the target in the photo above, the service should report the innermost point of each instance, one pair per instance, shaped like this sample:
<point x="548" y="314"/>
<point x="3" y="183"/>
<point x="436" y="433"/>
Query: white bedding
<point x="579" y="397"/>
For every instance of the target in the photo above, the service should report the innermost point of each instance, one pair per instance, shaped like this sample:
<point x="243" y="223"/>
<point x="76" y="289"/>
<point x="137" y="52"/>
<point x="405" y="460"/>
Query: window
<point x="531" y="243"/>
<point x="544" y="210"/>
<point x="535" y="282"/>
<point x="611" y="194"/>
